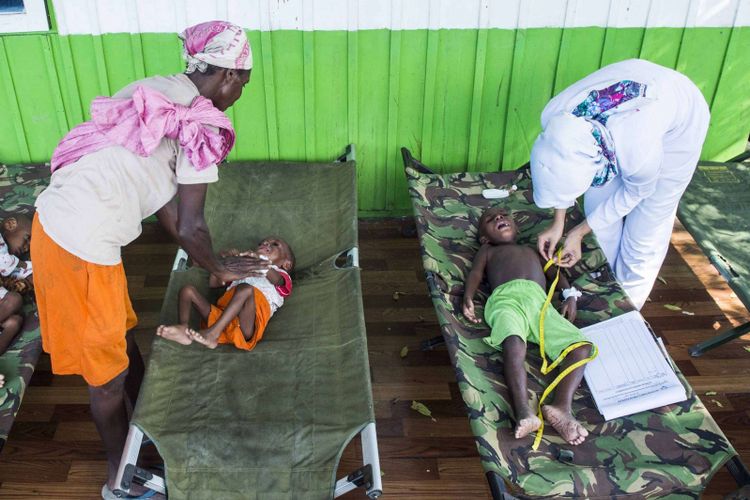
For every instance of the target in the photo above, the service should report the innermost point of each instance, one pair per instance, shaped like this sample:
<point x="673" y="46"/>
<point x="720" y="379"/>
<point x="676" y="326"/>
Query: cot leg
<point x="738" y="471"/>
<point x="430" y="344"/>
<point x="723" y="338"/>
<point x="367" y="476"/>
<point x="128" y="473"/>
<point x="497" y="487"/>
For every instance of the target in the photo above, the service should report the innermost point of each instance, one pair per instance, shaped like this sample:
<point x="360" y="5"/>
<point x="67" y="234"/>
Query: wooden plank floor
<point x="54" y="451"/>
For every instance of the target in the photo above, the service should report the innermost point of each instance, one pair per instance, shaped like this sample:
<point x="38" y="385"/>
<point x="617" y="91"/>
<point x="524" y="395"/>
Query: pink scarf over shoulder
<point x="140" y="123"/>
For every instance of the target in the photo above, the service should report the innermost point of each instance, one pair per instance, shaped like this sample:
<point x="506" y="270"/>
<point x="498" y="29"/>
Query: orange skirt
<point x="84" y="311"/>
<point x="232" y="334"/>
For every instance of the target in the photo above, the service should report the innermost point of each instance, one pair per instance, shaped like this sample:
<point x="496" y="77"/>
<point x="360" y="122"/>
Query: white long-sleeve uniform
<point x="657" y="147"/>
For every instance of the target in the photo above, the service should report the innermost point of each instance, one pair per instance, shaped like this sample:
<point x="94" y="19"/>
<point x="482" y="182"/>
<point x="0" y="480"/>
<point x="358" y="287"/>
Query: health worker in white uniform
<point x="628" y="138"/>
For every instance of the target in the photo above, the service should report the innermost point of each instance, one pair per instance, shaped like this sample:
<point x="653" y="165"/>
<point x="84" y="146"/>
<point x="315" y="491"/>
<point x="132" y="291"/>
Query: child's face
<point x="497" y="226"/>
<point x="277" y="251"/>
<point x="17" y="235"/>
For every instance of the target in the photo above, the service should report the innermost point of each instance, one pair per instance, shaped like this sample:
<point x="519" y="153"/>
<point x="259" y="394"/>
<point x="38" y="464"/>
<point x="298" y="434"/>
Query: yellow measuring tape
<point x="548" y="368"/>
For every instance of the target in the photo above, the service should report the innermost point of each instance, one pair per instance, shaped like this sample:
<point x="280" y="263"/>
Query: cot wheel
<point x="375" y="494"/>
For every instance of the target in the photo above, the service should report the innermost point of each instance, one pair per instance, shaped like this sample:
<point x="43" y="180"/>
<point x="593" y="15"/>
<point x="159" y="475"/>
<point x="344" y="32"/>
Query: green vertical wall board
<point x="255" y="111"/>
<point x="662" y="45"/>
<point x="34" y="95"/>
<point x="67" y="80"/>
<point x="477" y="93"/>
<point x="431" y="63"/>
<point x="162" y="54"/>
<point x="621" y="44"/>
<point x="496" y="90"/>
<point x="453" y="85"/>
<point x="118" y="59"/>
<point x="288" y="76"/>
<point x="702" y="56"/>
<point x="391" y="147"/>
<point x="101" y="66"/>
<point x="373" y="117"/>
<point x="67" y="77"/>
<point x="13" y="147"/>
<point x="308" y="91"/>
<point x="139" y="65"/>
<point x="730" y="110"/>
<point x="580" y="54"/>
<point x="408" y="108"/>
<point x="85" y="70"/>
<point x="352" y="89"/>
<point x="330" y="91"/>
<point x="532" y="78"/>
<point x="701" y="59"/>
<point x="55" y="92"/>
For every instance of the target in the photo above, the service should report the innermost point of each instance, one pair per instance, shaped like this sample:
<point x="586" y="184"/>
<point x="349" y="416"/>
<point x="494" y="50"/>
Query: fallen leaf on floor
<point x="396" y="295"/>
<point x="422" y="409"/>
<point x="688" y="313"/>
<point x="661" y="279"/>
<point x="420" y="318"/>
<point x="716" y="325"/>
<point x="747" y="348"/>
<point x="395" y="400"/>
<point x="382" y="473"/>
<point x="648" y="299"/>
<point x="711" y="393"/>
<point x="717" y="403"/>
<point x="404" y="351"/>
<point x="672" y="307"/>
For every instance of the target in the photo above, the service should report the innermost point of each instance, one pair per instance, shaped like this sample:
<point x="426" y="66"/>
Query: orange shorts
<point x="232" y="334"/>
<point x="84" y="311"/>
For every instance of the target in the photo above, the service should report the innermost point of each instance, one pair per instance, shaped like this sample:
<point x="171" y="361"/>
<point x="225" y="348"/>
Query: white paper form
<point x="630" y="374"/>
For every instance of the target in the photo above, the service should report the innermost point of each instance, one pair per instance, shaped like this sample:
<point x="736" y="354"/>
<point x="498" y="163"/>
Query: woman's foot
<point x="175" y="333"/>
<point x="204" y="338"/>
<point x="565" y="424"/>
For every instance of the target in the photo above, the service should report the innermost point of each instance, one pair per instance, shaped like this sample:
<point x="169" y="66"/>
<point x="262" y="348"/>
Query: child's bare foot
<point x="565" y="424"/>
<point x="526" y="424"/>
<point x="176" y="333"/>
<point x="2" y="380"/>
<point x="207" y="340"/>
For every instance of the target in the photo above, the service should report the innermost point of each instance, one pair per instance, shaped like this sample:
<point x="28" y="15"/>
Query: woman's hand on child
<point x="468" y="310"/>
<point x="571" y="250"/>
<point x="569" y="309"/>
<point x="238" y="267"/>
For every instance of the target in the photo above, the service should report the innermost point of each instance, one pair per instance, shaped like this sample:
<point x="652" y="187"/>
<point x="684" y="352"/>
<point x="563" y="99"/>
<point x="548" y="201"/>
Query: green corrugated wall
<point x="461" y="99"/>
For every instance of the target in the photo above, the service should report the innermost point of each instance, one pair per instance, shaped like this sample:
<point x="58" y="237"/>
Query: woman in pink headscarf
<point x="152" y="148"/>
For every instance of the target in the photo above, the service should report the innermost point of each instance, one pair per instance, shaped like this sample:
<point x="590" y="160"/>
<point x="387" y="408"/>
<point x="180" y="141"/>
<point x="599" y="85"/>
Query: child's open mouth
<point x="502" y="225"/>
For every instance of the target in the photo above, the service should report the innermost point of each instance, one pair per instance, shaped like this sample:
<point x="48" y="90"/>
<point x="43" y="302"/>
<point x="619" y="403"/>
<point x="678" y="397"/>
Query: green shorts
<point x="514" y="308"/>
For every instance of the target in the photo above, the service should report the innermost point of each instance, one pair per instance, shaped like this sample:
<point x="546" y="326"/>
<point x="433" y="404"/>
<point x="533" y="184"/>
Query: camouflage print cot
<point x="669" y="451"/>
<point x="19" y="187"/>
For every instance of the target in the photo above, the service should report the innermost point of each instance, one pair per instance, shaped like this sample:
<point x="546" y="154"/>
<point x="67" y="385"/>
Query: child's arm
<point x="569" y="307"/>
<point x="472" y="283"/>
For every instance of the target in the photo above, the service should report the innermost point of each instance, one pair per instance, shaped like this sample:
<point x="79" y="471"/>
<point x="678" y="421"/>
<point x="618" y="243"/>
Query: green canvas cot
<point x="668" y="451"/>
<point x="19" y="187"/>
<point x="715" y="210"/>
<point x="270" y="423"/>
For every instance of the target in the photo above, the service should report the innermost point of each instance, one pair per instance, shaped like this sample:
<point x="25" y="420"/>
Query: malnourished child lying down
<point x="240" y="316"/>
<point x="517" y="278"/>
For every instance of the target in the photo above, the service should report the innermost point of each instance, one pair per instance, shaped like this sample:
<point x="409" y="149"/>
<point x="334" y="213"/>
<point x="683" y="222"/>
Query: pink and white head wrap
<point x="217" y="43"/>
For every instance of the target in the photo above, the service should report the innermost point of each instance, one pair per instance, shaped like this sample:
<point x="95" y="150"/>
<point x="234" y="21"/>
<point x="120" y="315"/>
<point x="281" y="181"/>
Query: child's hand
<point x="231" y="252"/>
<point x="569" y="309"/>
<point x="468" y="310"/>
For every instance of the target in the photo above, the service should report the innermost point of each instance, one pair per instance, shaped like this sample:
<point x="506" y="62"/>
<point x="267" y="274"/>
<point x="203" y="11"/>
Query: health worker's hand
<point x="548" y="239"/>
